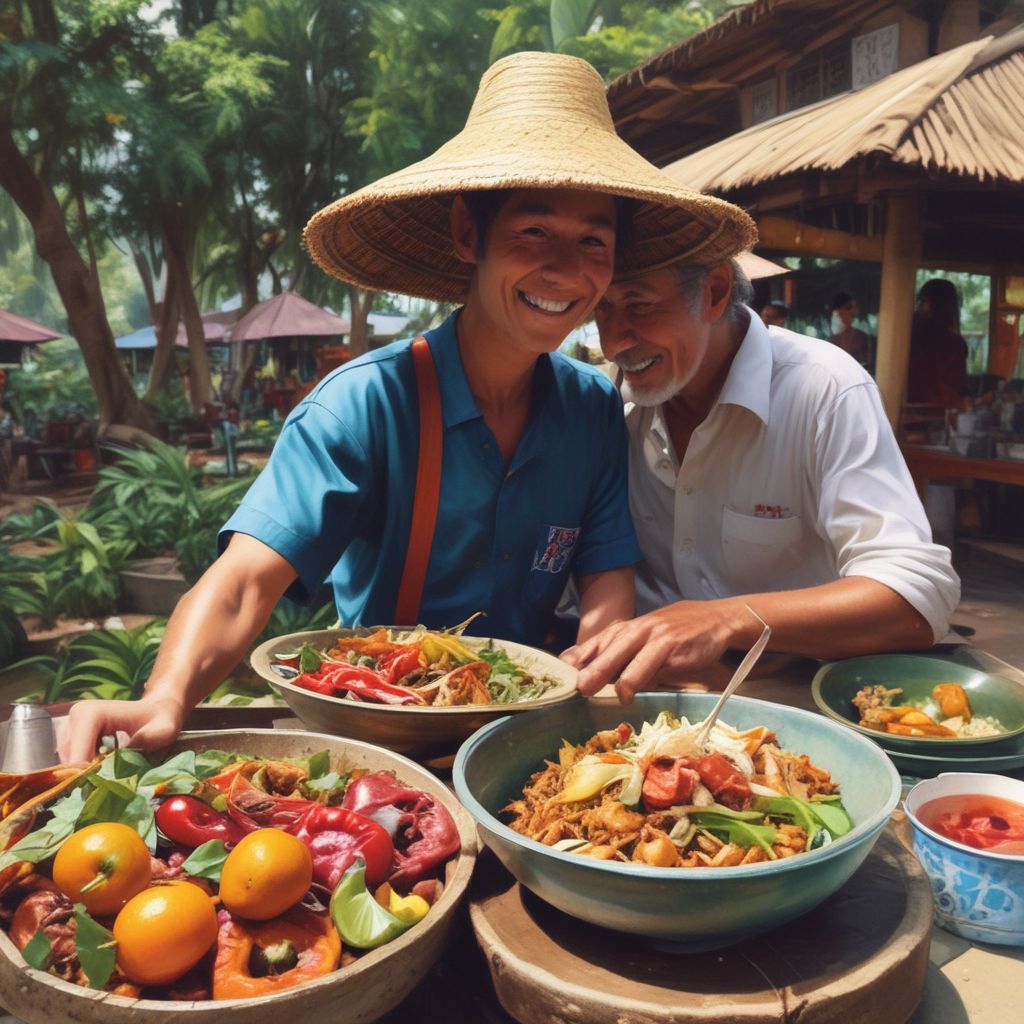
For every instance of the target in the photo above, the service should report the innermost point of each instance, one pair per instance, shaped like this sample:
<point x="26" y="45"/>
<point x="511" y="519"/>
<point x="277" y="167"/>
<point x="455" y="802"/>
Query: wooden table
<point x="927" y="464"/>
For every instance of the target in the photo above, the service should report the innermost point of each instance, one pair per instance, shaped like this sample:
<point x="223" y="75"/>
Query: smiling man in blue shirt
<point x="517" y="219"/>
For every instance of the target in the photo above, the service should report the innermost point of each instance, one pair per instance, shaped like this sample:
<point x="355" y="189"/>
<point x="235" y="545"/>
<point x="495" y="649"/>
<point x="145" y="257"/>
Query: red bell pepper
<point x="336" y="836"/>
<point x="334" y="679"/>
<point x="425" y="835"/>
<point x="190" y="822"/>
<point x="399" y="663"/>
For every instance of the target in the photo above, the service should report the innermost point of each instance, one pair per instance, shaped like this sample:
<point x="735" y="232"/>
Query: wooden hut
<point x="884" y="130"/>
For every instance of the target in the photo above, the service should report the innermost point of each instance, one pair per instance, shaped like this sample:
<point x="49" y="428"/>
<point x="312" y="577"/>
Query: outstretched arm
<point x="209" y="633"/>
<point x="843" y="619"/>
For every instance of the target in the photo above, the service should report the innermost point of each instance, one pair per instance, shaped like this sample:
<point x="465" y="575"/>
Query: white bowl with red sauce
<point x="969" y="836"/>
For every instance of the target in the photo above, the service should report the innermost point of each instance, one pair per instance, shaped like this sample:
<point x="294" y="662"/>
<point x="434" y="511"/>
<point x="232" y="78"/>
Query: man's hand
<point x="141" y="724"/>
<point x="680" y="639"/>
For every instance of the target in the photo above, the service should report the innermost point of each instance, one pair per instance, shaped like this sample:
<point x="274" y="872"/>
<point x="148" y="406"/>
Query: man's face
<point x="548" y="257"/>
<point x="847" y="312"/>
<point x="772" y="316"/>
<point x="649" y="329"/>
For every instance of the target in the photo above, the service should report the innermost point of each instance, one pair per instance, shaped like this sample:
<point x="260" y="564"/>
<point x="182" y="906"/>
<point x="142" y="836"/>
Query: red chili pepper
<point x="399" y="663"/>
<point x="368" y="684"/>
<point x="625" y="730"/>
<point x="727" y="784"/>
<point x="336" y="836"/>
<point x="190" y="822"/>
<point x="425" y="834"/>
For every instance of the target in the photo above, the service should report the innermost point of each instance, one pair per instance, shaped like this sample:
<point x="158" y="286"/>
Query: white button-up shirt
<point x="794" y="479"/>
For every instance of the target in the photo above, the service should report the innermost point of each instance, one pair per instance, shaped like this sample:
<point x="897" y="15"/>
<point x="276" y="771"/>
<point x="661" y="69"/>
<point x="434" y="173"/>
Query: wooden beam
<point x="793" y="236"/>
<point x="901" y="254"/>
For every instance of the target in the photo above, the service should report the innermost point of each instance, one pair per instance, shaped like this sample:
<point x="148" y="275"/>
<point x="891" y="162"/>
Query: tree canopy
<point x="197" y="137"/>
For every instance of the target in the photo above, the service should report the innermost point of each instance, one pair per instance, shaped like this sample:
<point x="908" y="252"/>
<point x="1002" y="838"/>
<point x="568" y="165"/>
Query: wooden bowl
<point x="356" y="994"/>
<point x="423" y="730"/>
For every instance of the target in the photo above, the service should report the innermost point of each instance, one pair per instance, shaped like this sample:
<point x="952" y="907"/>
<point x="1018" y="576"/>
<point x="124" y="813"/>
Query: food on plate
<point x="657" y="798"/>
<point x="417" y="668"/>
<point x="217" y="875"/>
<point x="990" y="823"/>
<point x="948" y="714"/>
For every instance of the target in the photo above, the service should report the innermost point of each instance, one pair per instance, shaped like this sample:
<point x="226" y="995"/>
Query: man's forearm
<point x="213" y="627"/>
<point x="852" y="616"/>
<point x="605" y="597"/>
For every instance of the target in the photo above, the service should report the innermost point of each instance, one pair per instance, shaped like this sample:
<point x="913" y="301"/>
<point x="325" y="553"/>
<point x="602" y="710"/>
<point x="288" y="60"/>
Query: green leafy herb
<point x="213" y="762"/>
<point x="178" y="775"/>
<point x="117" y="800"/>
<point x="45" y="841"/>
<point x="737" y="828"/>
<point x="95" y="947"/>
<point x="124" y="764"/>
<point x="206" y="861"/>
<point x="507" y="682"/>
<point x="310" y="659"/>
<point x="319" y="765"/>
<point x="833" y="816"/>
<point x="37" y="951"/>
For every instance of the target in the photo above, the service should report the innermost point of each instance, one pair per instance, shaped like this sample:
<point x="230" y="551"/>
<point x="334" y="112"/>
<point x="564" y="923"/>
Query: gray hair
<point x="691" y="279"/>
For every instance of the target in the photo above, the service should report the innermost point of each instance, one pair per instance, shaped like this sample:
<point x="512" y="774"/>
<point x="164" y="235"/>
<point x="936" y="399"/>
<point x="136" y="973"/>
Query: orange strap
<point x="428" y="487"/>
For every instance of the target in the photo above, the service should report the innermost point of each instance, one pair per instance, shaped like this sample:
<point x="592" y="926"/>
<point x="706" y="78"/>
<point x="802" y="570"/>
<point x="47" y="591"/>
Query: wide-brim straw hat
<point x="539" y="120"/>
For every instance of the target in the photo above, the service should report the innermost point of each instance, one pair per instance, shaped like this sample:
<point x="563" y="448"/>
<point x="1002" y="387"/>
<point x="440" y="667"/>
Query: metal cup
<point x="30" y="742"/>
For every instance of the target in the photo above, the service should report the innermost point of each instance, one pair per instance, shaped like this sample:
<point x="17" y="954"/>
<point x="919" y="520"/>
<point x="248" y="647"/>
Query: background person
<point x="533" y="444"/>
<point x="842" y="313"/>
<point x="774" y="314"/>
<point x="763" y="471"/>
<point x="937" y="372"/>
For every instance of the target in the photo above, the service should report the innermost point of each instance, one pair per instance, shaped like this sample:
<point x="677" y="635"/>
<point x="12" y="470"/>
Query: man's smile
<point x="636" y="366"/>
<point x="546" y="305"/>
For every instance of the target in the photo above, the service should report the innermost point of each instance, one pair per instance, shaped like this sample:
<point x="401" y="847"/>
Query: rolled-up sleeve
<point x="306" y="501"/>
<point x="870" y="511"/>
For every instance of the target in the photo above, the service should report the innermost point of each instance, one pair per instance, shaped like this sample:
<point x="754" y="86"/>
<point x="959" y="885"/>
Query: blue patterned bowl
<point x="696" y="909"/>
<point x="978" y="894"/>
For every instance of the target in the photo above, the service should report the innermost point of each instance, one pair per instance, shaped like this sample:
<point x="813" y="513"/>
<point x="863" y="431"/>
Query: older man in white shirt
<point x="763" y="473"/>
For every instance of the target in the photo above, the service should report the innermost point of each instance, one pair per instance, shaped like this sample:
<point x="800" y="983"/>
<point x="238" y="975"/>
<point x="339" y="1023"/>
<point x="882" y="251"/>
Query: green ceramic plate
<point x="926" y="766"/>
<point x="837" y="683"/>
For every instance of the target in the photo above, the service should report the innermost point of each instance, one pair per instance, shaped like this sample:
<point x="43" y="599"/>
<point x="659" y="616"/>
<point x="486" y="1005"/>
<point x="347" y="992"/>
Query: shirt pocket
<point x="760" y="553"/>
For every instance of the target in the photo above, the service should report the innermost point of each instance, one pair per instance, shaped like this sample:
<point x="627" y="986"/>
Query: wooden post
<point x="901" y="253"/>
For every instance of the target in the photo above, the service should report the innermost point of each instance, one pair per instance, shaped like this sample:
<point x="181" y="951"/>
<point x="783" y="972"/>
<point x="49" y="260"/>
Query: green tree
<point x="74" y="61"/>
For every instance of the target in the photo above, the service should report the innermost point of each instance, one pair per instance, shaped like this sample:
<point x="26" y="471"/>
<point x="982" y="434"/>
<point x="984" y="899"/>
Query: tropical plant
<point x="196" y="546"/>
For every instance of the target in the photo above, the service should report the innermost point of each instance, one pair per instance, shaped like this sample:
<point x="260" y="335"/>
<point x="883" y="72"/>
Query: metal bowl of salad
<point x="213" y="927"/>
<point x="411" y="690"/>
<point x="616" y="816"/>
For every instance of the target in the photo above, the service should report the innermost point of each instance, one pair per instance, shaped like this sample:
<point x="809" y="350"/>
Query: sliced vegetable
<point x="259" y="960"/>
<point x="425" y="834"/>
<point x="361" y="921"/>
<point x="592" y="774"/>
<point x="336" y="836"/>
<point x="736" y="830"/>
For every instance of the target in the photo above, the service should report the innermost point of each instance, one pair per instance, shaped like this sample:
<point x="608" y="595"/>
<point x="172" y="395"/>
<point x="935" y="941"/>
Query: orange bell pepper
<point x="305" y="946"/>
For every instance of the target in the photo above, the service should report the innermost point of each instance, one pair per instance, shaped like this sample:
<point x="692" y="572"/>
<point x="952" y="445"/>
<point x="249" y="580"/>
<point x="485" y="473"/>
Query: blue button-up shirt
<point x="337" y="493"/>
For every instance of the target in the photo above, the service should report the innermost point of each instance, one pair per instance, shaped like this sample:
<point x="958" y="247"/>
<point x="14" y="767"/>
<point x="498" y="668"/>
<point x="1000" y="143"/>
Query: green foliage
<point x="51" y="383"/>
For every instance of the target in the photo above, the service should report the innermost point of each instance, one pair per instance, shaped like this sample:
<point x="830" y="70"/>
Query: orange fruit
<point x="265" y="874"/>
<point x="163" y="932"/>
<point x="103" y="866"/>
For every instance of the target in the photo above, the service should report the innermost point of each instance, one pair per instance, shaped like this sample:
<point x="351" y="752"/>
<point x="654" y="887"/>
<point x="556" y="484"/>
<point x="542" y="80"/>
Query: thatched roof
<point x="955" y="114"/>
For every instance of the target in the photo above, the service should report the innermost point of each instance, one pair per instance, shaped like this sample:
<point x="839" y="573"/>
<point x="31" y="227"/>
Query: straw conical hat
<point x="539" y="120"/>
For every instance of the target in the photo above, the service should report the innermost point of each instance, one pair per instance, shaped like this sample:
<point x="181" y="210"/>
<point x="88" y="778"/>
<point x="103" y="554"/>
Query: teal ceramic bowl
<point x="697" y="908"/>
<point x="978" y="893"/>
<point x="837" y="683"/>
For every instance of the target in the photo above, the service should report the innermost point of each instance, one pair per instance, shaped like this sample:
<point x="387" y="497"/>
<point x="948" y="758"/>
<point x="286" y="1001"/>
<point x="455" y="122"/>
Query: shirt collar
<point x="749" y="381"/>
<point x="457" y="402"/>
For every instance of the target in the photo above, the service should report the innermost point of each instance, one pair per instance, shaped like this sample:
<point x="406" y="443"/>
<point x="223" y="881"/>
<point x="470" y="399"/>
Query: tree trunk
<point x="360" y="300"/>
<point x="78" y="287"/>
<point x="166" y="324"/>
<point x="177" y="244"/>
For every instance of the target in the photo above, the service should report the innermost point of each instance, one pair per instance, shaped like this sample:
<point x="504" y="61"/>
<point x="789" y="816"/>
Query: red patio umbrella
<point x="24" y="331"/>
<point x="287" y="315"/>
